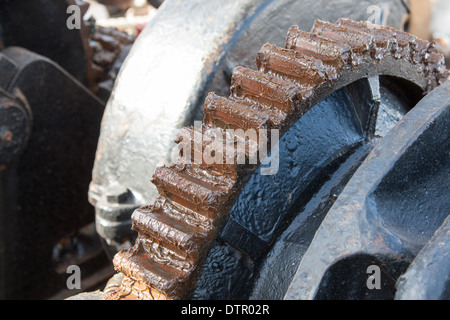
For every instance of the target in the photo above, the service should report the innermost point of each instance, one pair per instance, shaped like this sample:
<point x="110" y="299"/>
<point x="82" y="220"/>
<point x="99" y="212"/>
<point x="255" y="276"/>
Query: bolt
<point x="118" y="194"/>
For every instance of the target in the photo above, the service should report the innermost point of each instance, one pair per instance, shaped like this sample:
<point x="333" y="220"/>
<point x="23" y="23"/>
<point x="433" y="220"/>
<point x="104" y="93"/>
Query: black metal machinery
<point x="319" y="159"/>
<point x="50" y="114"/>
<point x="46" y="165"/>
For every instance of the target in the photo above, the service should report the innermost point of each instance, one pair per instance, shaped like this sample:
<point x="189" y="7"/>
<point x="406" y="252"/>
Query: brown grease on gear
<point x="105" y="46"/>
<point x="175" y="233"/>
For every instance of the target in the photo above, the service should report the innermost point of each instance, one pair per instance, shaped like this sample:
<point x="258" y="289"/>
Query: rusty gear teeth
<point x="360" y="42"/>
<point x="316" y="46"/>
<point x="176" y="232"/>
<point x="290" y="64"/>
<point x="190" y="191"/>
<point x="245" y="114"/>
<point x="265" y="89"/>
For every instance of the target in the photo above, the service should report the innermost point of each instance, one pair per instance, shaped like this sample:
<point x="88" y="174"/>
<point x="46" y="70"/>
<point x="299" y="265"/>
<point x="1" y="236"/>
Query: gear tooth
<point x="191" y="217"/>
<point x="239" y="114"/>
<point x="265" y="89"/>
<point x="163" y="251"/>
<point x="385" y="39"/>
<point x="412" y="46"/>
<point x="291" y="37"/>
<point x="435" y="68"/>
<point x="185" y="133"/>
<point x="173" y="234"/>
<point x="134" y="290"/>
<point x="435" y="62"/>
<point x="193" y="193"/>
<point x="221" y="166"/>
<point x="404" y="40"/>
<point x="304" y="70"/>
<point x="420" y="49"/>
<point x="189" y="145"/>
<point x="361" y="43"/>
<point x="215" y="179"/>
<point x="139" y="267"/>
<point x="321" y="48"/>
<point x="431" y="47"/>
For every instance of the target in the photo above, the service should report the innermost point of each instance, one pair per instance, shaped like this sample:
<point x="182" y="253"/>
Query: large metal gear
<point x="162" y="89"/>
<point x="204" y="210"/>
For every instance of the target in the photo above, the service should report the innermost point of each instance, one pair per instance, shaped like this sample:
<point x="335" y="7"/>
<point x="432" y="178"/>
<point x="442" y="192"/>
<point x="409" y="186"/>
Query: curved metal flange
<point x="387" y="212"/>
<point x="428" y="276"/>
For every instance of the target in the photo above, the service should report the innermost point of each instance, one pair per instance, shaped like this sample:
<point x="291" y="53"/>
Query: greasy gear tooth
<point x="266" y="89"/>
<point x="227" y="113"/>
<point x="189" y="190"/>
<point x="290" y="64"/>
<point x="360" y="42"/>
<point x="384" y="39"/>
<point x="313" y="45"/>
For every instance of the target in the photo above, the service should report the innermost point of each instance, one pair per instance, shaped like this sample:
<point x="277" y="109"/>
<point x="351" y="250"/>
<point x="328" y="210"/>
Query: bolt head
<point x="118" y="194"/>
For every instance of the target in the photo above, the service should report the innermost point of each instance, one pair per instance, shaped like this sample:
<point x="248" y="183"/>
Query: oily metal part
<point x="176" y="232"/>
<point x="276" y="17"/>
<point x="109" y="48"/>
<point x="143" y="114"/>
<point x="127" y="112"/>
<point x="87" y="53"/>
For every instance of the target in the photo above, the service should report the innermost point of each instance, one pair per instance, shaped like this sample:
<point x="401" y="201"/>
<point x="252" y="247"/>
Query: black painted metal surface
<point x="428" y="276"/>
<point x="41" y="26"/>
<point x="386" y="215"/>
<point x="318" y="155"/>
<point x="43" y="189"/>
<point x="16" y="119"/>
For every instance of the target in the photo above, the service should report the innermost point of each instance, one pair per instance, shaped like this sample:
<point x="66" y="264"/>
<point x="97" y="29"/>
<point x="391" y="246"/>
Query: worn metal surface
<point x="428" y="276"/>
<point x="43" y="189"/>
<point x="386" y="214"/>
<point x="195" y="200"/>
<point x="214" y="40"/>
